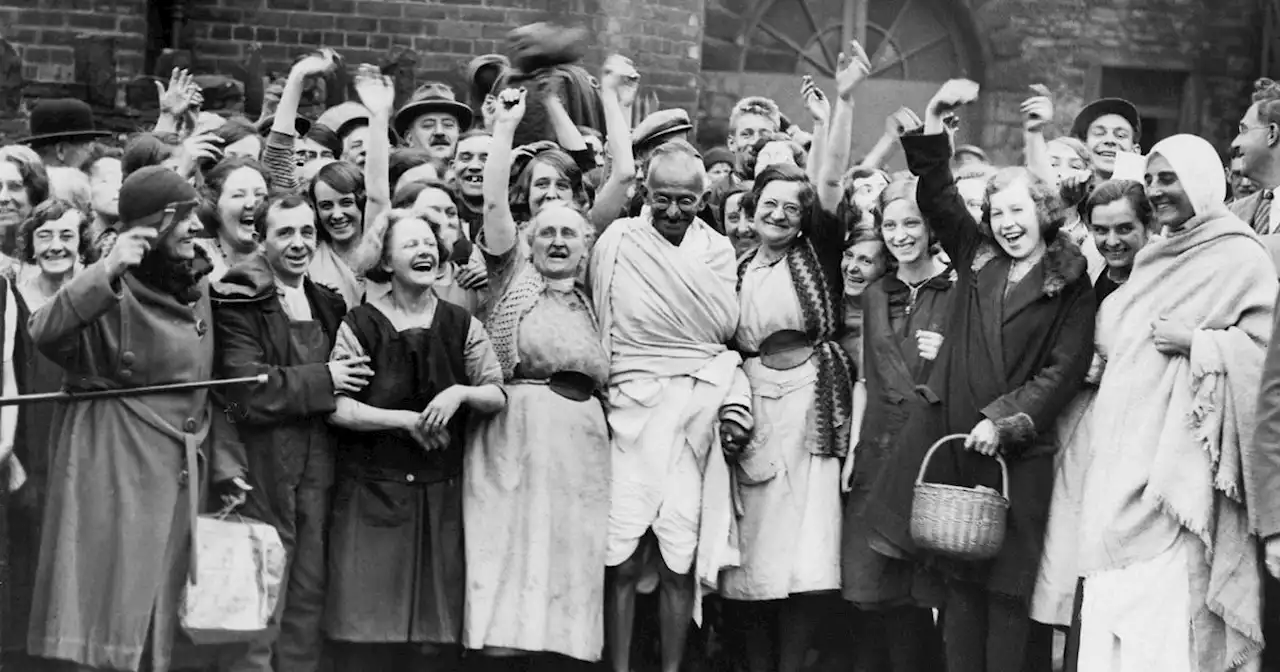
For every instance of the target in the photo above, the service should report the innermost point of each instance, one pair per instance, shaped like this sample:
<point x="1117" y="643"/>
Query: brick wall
<point x="44" y="31"/>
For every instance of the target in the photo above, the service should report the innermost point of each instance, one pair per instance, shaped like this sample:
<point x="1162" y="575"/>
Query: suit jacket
<point x="1255" y="210"/>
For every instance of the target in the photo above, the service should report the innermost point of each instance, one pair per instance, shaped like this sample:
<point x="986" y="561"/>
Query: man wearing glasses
<point x="1257" y="145"/>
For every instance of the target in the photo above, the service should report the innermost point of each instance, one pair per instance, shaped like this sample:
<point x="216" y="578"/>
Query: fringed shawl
<point x="1178" y="430"/>
<point x="822" y="306"/>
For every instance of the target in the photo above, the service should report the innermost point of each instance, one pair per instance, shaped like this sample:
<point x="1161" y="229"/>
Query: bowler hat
<point x="1103" y="107"/>
<point x="658" y="127"/>
<point x="61" y="119"/>
<point x="432" y="97"/>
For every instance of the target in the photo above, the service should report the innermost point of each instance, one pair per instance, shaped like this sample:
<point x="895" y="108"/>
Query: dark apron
<point x="396" y="546"/>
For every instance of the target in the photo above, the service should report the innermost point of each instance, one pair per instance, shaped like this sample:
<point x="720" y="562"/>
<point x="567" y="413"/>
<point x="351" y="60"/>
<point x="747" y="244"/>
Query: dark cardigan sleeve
<point x="290" y="393"/>
<point x="1031" y="408"/>
<point x="929" y="158"/>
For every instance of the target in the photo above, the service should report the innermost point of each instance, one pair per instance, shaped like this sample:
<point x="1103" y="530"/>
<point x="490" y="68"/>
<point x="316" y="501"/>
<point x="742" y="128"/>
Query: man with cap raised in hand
<point x="62" y="132"/>
<point x="432" y="120"/>
<point x="119" y="522"/>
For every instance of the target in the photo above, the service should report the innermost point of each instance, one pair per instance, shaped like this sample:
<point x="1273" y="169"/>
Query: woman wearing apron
<point x="396" y="553"/>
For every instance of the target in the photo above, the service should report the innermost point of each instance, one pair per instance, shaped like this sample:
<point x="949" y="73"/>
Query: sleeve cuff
<point x="1016" y="430"/>
<point x="924" y="151"/>
<point x="739" y="414"/>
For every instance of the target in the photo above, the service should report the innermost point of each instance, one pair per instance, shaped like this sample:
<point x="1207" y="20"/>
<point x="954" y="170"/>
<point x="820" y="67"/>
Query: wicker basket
<point x="961" y="523"/>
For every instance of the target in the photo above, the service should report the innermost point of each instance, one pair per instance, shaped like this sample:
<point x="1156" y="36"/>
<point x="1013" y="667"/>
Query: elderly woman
<point x="536" y="502"/>
<point x="24" y="184"/>
<point x="116" y="545"/>
<point x="1018" y="346"/>
<point x="396" y="555"/>
<point x="904" y="317"/>
<point x="1166" y="544"/>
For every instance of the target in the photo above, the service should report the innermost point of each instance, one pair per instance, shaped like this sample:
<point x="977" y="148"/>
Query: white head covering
<point x="1199" y="169"/>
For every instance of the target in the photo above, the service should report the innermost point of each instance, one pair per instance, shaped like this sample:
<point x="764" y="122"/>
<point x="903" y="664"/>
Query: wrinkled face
<point x="546" y="185"/>
<point x="290" y="242"/>
<point x="558" y="241"/>
<point x="774" y="153"/>
<point x="339" y="214"/>
<point x="56" y="244"/>
<point x="105" y="178"/>
<point x="306" y="150"/>
<point x="904" y="231"/>
<point x="355" y="145"/>
<point x="719" y="172"/>
<point x="779" y="213"/>
<point x="424" y="173"/>
<point x="1108" y="134"/>
<point x="973" y="191"/>
<point x="674" y="193"/>
<point x="441" y="203"/>
<point x="412" y="256"/>
<point x="1014" y="222"/>
<point x="15" y="203"/>
<point x="1255" y="142"/>
<point x="1169" y="199"/>
<point x="468" y="165"/>
<point x="1118" y="233"/>
<point x="866" y="191"/>
<point x="249" y="147"/>
<point x="241" y="193"/>
<point x="862" y="264"/>
<point x="750" y="127"/>
<point x="436" y="132"/>
<point x="1065" y="161"/>
<point x="180" y="243"/>
<point x="1241" y="186"/>
<point x="737" y="226"/>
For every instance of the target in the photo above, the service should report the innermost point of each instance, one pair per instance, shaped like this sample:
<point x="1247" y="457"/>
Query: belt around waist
<point x="572" y="385"/>
<point x="784" y="349"/>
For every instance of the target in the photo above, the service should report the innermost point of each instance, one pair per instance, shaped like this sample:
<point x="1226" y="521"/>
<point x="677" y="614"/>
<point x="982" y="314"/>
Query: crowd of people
<point x="525" y="363"/>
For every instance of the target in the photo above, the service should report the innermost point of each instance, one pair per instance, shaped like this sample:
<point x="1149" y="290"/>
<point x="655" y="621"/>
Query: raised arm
<point x="929" y="158"/>
<point x="854" y="67"/>
<point x="277" y="152"/>
<point x="617" y="95"/>
<point x="178" y="102"/>
<point x="885" y="145"/>
<point x="815" y="101"/>
<point x="499" y="224"/>
<point x="1037" y="112"/>
<point x="378" y="93"/>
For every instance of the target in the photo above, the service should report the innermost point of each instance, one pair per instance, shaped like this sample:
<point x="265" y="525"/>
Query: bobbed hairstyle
<point x="30" y="168"/>
<point x="1050" y="211"/>
<point x="52" y="210"/>
<point x="1123" y="190"/>
<point x="564" y="166"/>
<point x="385" y="224"/>
<point x="214" y="182"/>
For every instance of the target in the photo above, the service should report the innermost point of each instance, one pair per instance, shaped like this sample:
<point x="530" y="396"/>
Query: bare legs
<point x="675" y="609"/>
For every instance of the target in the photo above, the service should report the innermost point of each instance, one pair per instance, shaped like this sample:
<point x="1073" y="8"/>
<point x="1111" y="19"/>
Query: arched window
<point x="906" y="39"/>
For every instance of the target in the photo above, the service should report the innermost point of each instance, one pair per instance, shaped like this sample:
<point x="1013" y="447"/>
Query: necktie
<point x="1261" y="220"/>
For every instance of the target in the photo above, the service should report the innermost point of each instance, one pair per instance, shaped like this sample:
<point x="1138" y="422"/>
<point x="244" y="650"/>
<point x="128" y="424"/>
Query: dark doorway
<point x="163" y="17"/>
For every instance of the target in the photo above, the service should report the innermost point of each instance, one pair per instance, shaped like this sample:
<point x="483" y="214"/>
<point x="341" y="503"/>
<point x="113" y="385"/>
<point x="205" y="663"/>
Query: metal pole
<point x="64" y="397"/>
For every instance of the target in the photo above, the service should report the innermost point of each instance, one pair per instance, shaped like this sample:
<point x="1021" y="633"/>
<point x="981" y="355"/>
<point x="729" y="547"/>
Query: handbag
<point x="236" y="585"/>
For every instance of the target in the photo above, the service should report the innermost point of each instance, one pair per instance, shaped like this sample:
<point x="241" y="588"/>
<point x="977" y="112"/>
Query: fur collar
<point x="1063" y="262"/>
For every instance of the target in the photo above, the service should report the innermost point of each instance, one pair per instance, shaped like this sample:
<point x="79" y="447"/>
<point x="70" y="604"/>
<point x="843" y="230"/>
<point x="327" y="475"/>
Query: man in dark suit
<point x="1258" y="146"/>
<point x="271" y="318"/>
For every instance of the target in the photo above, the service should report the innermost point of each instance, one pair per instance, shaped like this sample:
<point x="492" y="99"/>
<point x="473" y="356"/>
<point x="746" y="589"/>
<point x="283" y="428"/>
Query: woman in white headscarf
<point x="1172" y="575"/>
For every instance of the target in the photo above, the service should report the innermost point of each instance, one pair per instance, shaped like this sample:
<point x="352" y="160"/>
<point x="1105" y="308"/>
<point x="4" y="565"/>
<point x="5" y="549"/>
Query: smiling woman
<point x="24" y="184"/>
<point x="55" y="240"/>
<point x="233" y="190"/>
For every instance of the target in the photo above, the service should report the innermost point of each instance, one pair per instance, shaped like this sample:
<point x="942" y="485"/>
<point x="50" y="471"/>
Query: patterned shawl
<point x="833" y="399"/>
<point x="520" y="296"/>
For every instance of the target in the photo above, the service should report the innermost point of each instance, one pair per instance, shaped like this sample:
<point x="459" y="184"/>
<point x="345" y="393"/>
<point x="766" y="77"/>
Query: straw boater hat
<point x="1102" y="107"/>
<point x="61" y="119"/>
<point x="432" y="97"/>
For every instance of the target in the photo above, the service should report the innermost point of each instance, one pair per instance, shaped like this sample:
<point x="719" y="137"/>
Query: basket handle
<point x="924" y="464"/>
